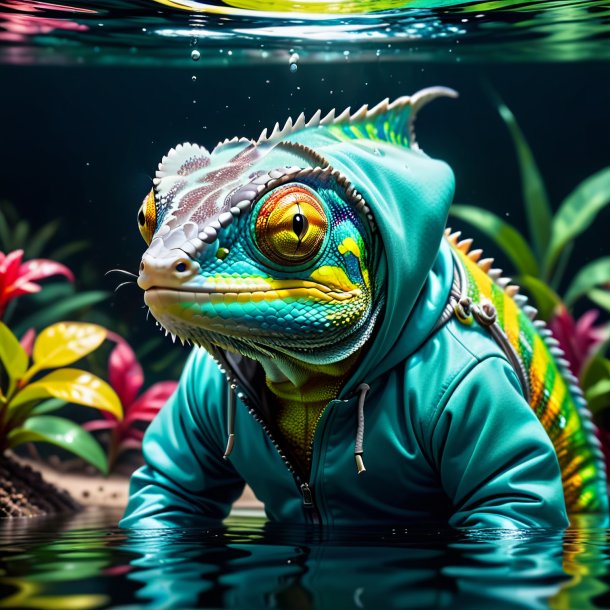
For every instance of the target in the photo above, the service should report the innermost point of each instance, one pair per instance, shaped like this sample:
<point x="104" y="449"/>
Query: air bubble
<point x="293" y="62"/>
<point x="195" y="55"/>
<point x="193" y="78"/>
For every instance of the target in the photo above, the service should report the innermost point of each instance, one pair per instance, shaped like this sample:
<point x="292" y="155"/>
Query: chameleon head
<point x="267" y="249"/>
<point x="262" y="262"/>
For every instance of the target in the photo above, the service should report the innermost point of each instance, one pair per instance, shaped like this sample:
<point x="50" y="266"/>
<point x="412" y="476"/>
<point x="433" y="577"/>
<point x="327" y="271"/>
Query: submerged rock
<point x="24" y="493"/>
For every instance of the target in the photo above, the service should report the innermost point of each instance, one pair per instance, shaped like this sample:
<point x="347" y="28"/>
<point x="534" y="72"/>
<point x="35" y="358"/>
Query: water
<point x="92" y="95"/>
<point x="84" y="562"/>
<point x="153" y="32"/>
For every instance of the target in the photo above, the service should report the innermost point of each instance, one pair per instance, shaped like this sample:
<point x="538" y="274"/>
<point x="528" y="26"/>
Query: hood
<point x="409" y="195"/>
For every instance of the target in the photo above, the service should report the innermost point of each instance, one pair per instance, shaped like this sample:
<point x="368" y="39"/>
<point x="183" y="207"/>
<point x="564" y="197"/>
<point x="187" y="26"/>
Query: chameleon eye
<point x="290" y="226"/>
<point x="147" y="217"/>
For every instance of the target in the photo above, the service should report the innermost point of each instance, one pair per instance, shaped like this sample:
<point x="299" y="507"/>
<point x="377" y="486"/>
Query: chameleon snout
<point x="170" y="271"/>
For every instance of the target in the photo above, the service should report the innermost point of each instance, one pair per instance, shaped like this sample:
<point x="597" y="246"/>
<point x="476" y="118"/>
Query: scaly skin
<point x="554" y="393"/>
<point x="263" y="249"/>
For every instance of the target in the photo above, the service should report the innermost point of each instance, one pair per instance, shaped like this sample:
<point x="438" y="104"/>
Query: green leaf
<point x="546" y="298"/>
<point x="69" y="249"/>
<point x="71" y="385"/>
<point x="61" y="310"/>
<point x="63" y="433"/>
<point x="577" y="212"/>
<point x="20" y="234"/>
<point x="171" y="357"/>
<point x="537" y="207"/>
<point x="66" y="342"/>
<point x="554" y="280"/>
<point x="62" y="571"/>
<point x="598" y="396"/>
<point x="5" y="234"/>
<point x="57" y="291"/>
<point x="14" y="358"/>
<point x="600" y="297"/>
<point x="503" y="234"/>
<point x="593" y="274"/>
<point x="38" y="241"/>
<point x="48" y="406"/>
<point x="596" y="369"/>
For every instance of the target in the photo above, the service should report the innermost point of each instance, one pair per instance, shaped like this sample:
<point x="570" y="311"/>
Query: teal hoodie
<point x="449" y="438"/>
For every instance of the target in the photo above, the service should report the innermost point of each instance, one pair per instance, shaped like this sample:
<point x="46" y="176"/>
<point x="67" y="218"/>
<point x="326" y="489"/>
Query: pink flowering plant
<point x="127" y="378"/>
<point x="18" y="278"/>
<point x="35" y="383"/>
<point x="579" y="339"/>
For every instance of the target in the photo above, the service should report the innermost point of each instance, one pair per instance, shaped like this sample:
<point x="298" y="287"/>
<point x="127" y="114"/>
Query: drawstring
<point x="230" y="424"/>
<point x="363" y="388"/>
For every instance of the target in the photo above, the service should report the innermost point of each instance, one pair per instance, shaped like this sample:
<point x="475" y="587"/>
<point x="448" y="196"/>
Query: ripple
<point x="156" y="32"/>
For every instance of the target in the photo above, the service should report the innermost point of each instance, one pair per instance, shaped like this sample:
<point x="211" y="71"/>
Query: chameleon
<point x="276" y="256"/>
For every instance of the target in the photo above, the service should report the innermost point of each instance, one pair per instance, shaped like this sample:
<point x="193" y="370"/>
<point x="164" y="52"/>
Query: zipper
<point x="308" y="504"/>
<point x="247" y="397"/>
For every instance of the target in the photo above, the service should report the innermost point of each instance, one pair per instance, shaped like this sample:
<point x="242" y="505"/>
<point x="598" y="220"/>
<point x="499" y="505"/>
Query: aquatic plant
<point x="127" y="378"/>
<point x="58" y="300"/>
<point x="540" y="268"/>
<point x="578" y="339"/>
<point x="18" y="278"/>
<point x="26" y="399"/>
<point x="17" y="233"/>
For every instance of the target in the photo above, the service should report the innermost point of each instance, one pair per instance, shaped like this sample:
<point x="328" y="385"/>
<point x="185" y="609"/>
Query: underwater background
<point x="93" y="94"/>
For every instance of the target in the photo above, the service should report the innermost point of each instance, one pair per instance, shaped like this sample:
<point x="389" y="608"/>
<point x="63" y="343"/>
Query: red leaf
<point x="125" y="373"/>
<point x="142" y="416"/>
<point x="576" y="338"/>
<point x="9" y="268"/>
<point x="152" y="400"/>
<point x="99" y="424"/>
<point x="130" y="443"/>
<point x="27" y="341"/>
<point x="17" y="279"/>
<point x="136" y="434"/>
<point x="42" y="268"/>
<point x="20" y="288"/>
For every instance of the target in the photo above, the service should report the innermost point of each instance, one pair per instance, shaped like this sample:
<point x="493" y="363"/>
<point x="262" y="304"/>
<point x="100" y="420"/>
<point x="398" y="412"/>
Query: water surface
<point x="85" y="562"/>
<point x="154" y="32"/>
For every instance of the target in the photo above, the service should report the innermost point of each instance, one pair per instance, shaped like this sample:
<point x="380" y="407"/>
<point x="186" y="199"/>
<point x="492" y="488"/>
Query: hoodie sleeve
<point x="495" y="460"/>
<point x="185" y="481"/>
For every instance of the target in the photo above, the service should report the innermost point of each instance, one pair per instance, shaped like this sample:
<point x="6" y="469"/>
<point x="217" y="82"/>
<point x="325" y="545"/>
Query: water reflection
<point x="85" y="563"/>
<point x="155" y="32"/>
<point x="291" y="568"/>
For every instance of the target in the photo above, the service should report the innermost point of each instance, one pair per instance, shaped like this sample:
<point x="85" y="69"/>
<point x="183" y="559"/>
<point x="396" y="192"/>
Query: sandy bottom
<point x="111" y="491"/>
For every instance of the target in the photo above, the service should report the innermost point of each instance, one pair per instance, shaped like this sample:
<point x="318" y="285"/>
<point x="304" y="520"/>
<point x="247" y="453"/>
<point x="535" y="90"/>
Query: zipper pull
<point x="307" y="495"/>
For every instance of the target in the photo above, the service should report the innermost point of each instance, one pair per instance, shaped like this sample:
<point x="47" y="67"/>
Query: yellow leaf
<point x="14" y="357"/>
<point x="66" y="342"/>
<point x="71" y="385"/>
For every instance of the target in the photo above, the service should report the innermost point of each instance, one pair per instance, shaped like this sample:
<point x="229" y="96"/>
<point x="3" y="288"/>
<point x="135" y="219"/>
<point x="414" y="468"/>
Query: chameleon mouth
<point x="267" y="321"/>
<point x="238" y="315"/>
<point x="158" y="296"/>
